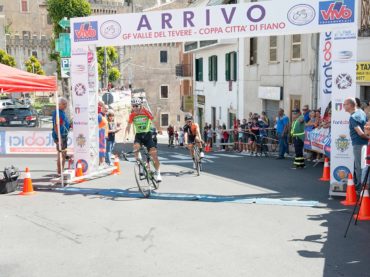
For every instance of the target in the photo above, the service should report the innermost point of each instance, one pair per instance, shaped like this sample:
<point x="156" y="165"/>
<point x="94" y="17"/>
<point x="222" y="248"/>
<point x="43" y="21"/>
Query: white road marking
<point x="229" y="156"/>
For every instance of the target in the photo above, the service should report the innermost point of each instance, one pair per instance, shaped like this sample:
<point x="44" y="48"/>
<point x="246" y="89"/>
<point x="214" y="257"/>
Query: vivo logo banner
<point x="212" y="22"/>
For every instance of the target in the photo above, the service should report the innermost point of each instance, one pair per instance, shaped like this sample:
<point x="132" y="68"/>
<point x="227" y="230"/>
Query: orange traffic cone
<point x="27" y="184"/>
<point x="117" y="170"/>
<point x="364" y="213"/>
<point x="326" y="172"/>
<point x="351" y="197"/>
<point x="79" y="173"/>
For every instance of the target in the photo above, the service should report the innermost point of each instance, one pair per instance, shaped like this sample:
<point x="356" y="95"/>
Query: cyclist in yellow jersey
<point x="142" y="120"/>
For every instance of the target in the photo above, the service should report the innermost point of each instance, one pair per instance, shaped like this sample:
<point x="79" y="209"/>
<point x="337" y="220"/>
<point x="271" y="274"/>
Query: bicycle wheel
<point x="198" y="167"/>
<point x="142" y="179"/>
<point x="197" y="159"/>
<point x="151" y="174"/>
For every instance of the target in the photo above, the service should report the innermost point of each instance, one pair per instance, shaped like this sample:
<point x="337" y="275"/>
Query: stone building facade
<point x="28" y="31"/>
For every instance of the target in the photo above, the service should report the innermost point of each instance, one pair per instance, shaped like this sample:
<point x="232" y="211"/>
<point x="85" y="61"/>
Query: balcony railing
<point x="184" y="70"/>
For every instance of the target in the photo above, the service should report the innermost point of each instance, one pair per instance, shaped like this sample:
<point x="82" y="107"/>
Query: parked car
<point x="19" y="116"/>
<point x="6" y="103"/>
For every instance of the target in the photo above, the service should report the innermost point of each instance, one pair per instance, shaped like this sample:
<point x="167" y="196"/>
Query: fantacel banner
<point x="325" y="70"/>
<point x="213" y="22"/>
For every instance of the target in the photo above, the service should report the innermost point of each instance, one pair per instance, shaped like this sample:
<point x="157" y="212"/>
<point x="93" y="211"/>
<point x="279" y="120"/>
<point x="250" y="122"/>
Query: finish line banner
<point x="213" y="22"/>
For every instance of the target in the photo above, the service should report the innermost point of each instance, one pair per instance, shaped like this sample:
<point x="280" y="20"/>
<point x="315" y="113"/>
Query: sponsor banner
<point x="363" y="72"/>
<point x="318" y="140"/>
<point x="80" y="93"/>
<point x="30" y="142"/>
<point x="213" y="22"/>
<point x="92" y="63"/>
<point x="344" y="86"/>
<point x="326" y="69"/>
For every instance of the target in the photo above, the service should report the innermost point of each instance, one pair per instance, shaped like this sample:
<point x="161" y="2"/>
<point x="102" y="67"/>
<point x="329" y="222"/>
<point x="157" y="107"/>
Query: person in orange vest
<point x="103" y="131"/>
<point x="297" y="133"/>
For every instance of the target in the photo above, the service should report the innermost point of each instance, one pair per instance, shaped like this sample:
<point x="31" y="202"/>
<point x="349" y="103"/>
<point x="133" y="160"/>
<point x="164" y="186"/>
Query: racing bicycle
<point x="144" y="171"/>
<point x="197" y="158"/>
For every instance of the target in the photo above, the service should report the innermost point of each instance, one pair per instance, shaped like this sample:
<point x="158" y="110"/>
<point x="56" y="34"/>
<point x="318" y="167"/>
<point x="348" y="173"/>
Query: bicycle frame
<point x="143" y="170"/>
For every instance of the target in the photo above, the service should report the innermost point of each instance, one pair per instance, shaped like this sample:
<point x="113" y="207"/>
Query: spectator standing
<point x="225" y="136"/>
<point x="64" y="127"/>
<point x="113" y="128"/>
<point x="218" y="137"/>
<point x="205" y="132"/>
<point x="244" y="129"/>
<point x="282" y="125"/>
<point x="176" y="138"/>
<point x="181" y="137"/>
<point x="297" y="133"/>
<point x="306" y="113"/>
<point x="103" y="131"/>
<point x="171" y="133"/>
<point x="265" y="119"/>
<point x="210" y="136"/>
<point x="357" y="123"/>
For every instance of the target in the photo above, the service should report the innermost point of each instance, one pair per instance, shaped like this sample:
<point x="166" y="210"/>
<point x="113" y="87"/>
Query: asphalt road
<point x="244" y="216"/>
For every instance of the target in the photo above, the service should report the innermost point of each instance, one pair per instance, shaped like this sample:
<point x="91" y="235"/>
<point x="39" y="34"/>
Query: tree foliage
<point x="66" y="8"/>
<point x="6" y="59"/>
<point x="33" y="65"/>
<point x="113" y="74"/>
<point x="59" y="9"/>
<point x="112" y="56"/>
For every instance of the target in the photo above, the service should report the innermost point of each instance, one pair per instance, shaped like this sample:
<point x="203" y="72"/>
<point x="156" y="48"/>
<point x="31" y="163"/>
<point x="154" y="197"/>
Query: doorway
<point x="213" y="117"/>
<point x="200" y="119"/>
<point x="295" y="103"/>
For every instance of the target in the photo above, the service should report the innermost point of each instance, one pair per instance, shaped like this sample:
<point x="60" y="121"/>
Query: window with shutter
<point x="164" y="92"/>
<point x="164" y="119"/>
<point x="24" y="6"/>
<point x="163" y="56"/>
<point x="199" y="69"/>
<point x="234" y="66"/>
<point x="227" y="66"/>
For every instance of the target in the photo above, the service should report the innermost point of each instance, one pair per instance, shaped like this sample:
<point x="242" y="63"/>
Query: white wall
<point x="217" y="93"/>
<point x="296" y="77"/>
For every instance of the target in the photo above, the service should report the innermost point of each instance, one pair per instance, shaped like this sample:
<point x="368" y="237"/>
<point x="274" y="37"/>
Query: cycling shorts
<point x="145" y="139"/>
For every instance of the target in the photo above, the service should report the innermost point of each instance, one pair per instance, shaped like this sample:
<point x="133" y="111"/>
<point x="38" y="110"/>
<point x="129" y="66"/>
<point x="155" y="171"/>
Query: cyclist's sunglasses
<point x="135" y="106"/>
<point x="189" y="121"/>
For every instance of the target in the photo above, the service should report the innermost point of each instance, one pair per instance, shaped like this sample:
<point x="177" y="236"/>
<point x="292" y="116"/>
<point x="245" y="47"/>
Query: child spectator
<point x="113" y="128"/>
<point x="176" y="138"/>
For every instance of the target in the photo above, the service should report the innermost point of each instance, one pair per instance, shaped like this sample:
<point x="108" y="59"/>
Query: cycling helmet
<point x="136" y="101"/>
<point x="188" y="117"/>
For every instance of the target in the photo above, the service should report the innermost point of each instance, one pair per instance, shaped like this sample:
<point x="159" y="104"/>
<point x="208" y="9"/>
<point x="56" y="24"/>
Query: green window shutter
<point x="210" y="69"/>
<point x="227" y="66"/>
<point x="214" y="68"/>
<point x="201" y="69"/>
<point x="235" y="69"/>
<point x="196" y="69"/>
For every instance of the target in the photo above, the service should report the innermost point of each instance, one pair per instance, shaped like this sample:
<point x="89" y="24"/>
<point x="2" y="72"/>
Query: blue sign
<point x="85" y="31"/>
<point x="338" y="11"/>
